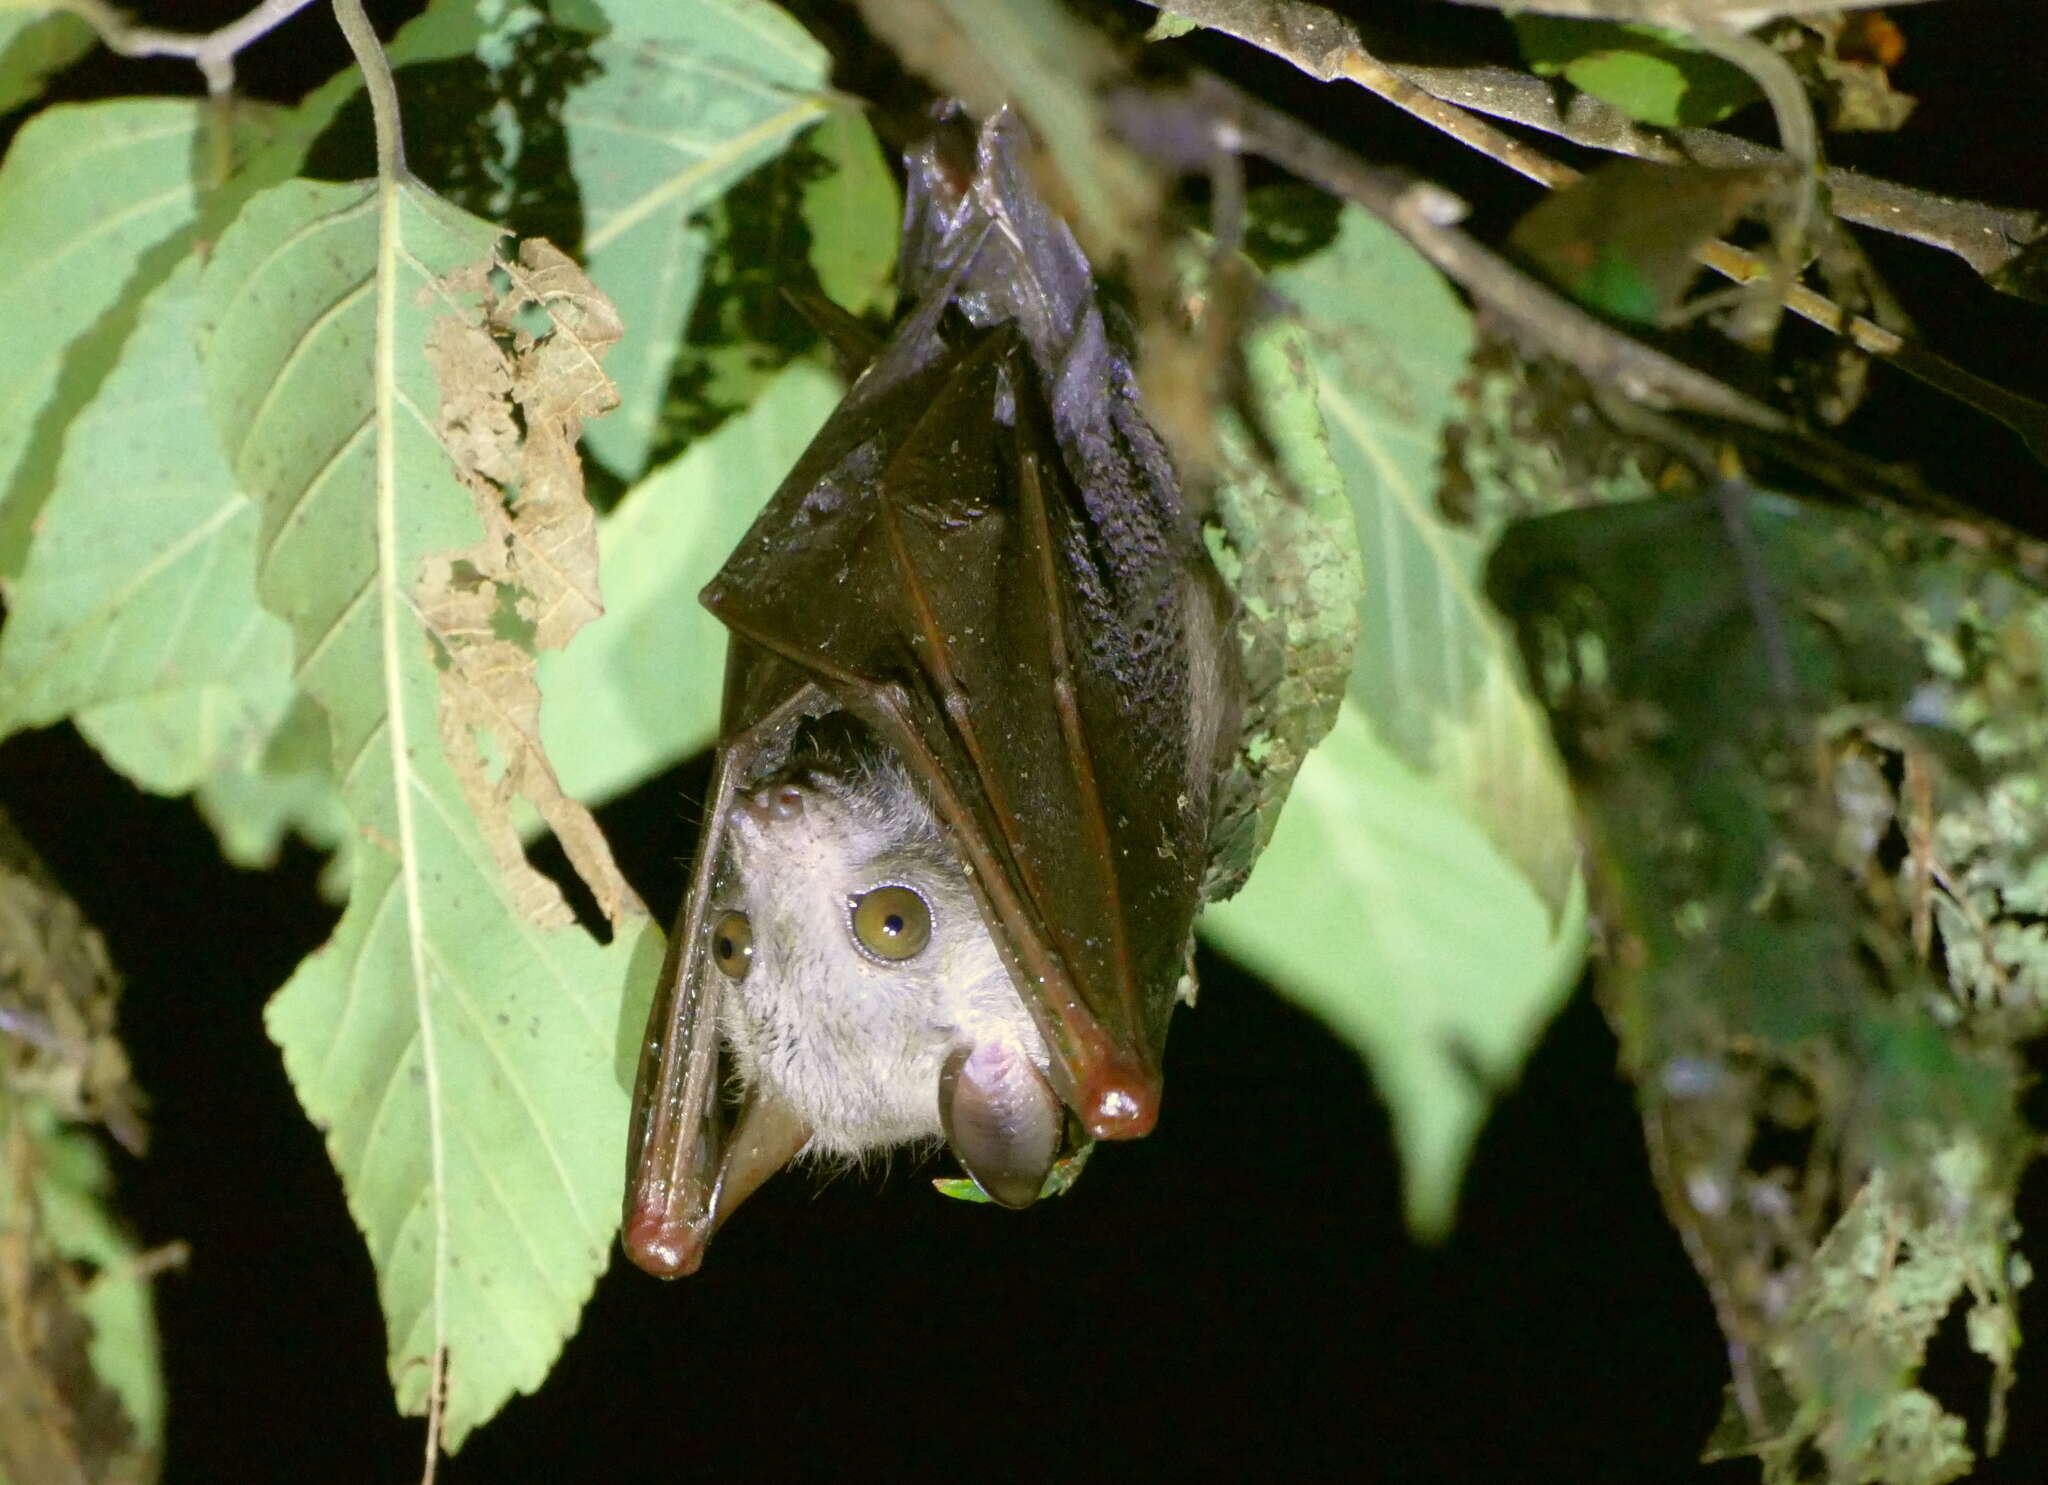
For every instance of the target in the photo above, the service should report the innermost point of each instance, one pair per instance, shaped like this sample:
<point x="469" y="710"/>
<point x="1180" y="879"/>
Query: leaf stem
<point x="377" y="82"/>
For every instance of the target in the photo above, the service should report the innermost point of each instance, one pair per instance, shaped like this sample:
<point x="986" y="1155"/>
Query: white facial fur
<point x="853" y="1043"/>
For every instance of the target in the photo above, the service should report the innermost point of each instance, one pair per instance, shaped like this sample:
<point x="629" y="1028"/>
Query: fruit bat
<point x="979" y="689"/>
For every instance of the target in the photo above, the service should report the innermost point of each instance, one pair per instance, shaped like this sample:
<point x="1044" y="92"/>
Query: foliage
<point x="1647" y="72"/>
<point x="1734" y="680"/>
<point x="83" y="1392"/>
<point x="292" y="519"/>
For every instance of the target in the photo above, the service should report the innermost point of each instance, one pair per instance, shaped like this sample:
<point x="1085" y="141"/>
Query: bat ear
<point x="1002" y="1120"/>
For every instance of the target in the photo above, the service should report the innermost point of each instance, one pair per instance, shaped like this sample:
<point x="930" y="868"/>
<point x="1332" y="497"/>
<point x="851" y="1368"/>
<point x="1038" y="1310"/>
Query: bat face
<point x="978" y="694"/>
<point x="857" y="962"/>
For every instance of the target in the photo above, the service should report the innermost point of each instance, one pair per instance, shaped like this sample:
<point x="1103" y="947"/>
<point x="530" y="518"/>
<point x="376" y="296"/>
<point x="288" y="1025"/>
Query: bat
<point x="980" y="685"/>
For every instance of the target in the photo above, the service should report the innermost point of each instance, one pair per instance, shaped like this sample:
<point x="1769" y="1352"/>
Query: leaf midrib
<point x="394" y="609"/>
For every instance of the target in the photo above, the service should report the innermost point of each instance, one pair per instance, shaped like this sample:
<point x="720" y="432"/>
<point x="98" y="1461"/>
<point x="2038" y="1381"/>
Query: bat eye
<point x="892" y="923"/>
<point x="732" y="945"/>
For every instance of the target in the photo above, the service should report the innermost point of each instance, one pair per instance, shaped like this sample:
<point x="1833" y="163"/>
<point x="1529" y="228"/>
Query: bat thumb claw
<point x="663" y="1245"/>
<point x="1120" y="1109"/>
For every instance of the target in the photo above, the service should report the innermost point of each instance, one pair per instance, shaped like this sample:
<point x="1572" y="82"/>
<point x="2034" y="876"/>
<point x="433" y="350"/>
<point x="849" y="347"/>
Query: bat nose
<point x="774" y="802"/>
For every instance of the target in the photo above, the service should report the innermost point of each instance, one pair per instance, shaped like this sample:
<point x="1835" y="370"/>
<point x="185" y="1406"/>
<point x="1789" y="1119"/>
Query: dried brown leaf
<point x="515" y="394"/>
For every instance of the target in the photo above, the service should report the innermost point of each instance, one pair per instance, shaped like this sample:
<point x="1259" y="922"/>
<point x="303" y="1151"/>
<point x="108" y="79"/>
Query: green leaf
<point x="81" y="1385"/>
<point x="35" y="43"/>
<point x="1647" y="72"/>
<point x="96" y="206"/>
<point x="643" y="683"/>
<point x="139" y="616"/>
<point x="1286" y="542"/>
<point x="1622" y="237"/>
<point x="289" y="788"/>
<point x="1436" y="672"/>
<point x="75" y="1193"/>
<point x="854" y="212"/>
<point x="454" y="1039"/>
<point x="84" y="1397"/>
<point x="1758" y="698"/>
<point x="1382" y="907"/>
<point x="688" y="97"/>
<point x="1421" y="894"/>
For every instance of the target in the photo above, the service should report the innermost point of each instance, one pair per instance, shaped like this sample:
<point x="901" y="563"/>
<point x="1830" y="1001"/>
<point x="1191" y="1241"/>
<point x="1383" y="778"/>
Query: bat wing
<point x="1031" y="663"/>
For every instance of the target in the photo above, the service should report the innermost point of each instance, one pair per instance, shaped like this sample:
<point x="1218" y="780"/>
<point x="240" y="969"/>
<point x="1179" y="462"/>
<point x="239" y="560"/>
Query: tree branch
<point x="1986" y="237"/>
<point x="1185" y="131"/>
<point x="1328" y="48"/>
<point x="214" y="52"/>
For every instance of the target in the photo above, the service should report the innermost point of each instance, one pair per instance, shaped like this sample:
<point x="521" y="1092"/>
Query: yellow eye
<point x="732" y="945"/>
<point x="891" y="923"/>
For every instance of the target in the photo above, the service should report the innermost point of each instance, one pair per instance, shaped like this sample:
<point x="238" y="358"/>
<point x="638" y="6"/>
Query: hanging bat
<point x="978" y="691"/>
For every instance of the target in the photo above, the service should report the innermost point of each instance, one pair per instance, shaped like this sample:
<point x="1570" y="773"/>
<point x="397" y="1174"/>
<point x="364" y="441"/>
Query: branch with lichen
<point x="1329" y="48"/>
<point x="1984" y="236"/>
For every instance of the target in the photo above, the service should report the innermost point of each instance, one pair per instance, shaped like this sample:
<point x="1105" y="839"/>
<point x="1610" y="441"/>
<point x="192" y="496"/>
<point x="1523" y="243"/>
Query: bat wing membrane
<point x="978" y="620"/>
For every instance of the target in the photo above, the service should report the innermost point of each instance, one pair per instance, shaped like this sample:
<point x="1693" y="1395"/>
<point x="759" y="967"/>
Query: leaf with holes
<point x="457" y="1051"/>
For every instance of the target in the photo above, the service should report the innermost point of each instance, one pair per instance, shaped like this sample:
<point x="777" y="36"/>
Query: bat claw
<point x="663" y="1246"/>
<point x="1122" y="1113"/>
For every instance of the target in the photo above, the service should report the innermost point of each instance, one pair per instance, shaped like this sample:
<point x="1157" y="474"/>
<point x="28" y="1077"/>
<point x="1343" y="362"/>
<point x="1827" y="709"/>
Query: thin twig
<point x="1185" y="132"/>
<point x="214" y="52"/>
<point x="1985" y="237"/>
<point x="1329" y="49"/>
<point x="1319" y="43"/>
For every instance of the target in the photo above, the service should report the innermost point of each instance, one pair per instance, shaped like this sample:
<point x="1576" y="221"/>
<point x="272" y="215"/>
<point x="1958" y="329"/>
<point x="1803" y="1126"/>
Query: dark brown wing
<point x="1029" y="662"/>
<point x="684" y="1170"/>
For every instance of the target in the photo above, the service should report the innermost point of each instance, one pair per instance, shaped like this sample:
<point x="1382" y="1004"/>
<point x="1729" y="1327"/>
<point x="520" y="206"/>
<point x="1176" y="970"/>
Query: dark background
<point x="1234" y="1296"/>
